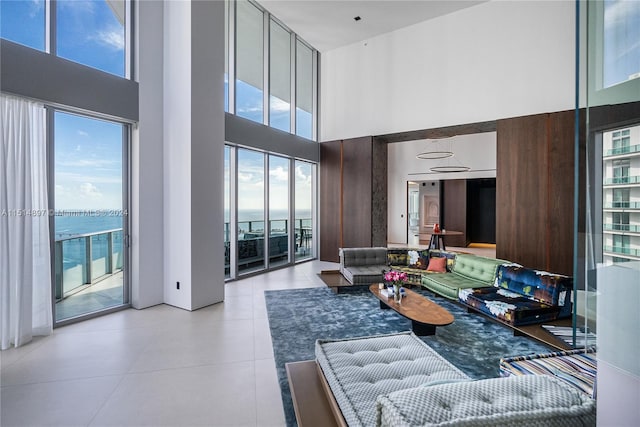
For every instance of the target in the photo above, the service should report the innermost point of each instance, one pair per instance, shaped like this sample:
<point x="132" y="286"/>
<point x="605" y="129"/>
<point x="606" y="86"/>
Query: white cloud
<point x="90" y="163"/>
<point x="301" y="176"/>
<point x="113" y="38"/>
<point x="279" y="106"/>
<point x="244" y="177"/>
<point x="71" y="177"/>
<point x="82" y="133"/>
<point x="279" y="174"/>
<point x="78" y="6"/>
<point x="87" y="189"/>
<point x="35" y="7"/>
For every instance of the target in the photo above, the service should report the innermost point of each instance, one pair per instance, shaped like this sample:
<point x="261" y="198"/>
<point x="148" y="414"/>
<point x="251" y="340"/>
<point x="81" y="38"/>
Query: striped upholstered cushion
<point x="576" y="367"/>
<point x="359" y="370"/>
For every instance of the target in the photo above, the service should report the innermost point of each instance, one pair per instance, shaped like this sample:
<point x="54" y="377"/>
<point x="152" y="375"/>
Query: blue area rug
<point x="298" y="317"/>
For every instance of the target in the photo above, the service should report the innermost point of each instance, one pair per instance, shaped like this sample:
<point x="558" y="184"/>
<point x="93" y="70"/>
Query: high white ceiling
<point x="328" y="24"/>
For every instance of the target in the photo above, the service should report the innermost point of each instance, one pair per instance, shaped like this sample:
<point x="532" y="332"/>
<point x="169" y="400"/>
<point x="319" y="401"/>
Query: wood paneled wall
<point x="534" y="191"/>
<point x="454" y="198"/>
<point x="330" y="195"/>
<point x="353" y="195"/>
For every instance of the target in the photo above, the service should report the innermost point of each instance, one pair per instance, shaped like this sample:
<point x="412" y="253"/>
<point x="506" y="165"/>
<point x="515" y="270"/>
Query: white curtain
<point x="25" y="269"/>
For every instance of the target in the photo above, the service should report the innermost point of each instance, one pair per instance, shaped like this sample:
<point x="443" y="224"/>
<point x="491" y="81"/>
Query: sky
<point x="88" y="152"/>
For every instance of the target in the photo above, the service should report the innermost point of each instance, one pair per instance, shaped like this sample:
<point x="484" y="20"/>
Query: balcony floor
<point x="103" y="294"/>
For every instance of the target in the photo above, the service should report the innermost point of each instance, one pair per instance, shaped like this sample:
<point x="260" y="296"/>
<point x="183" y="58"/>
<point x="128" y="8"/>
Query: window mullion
<point x="232" y="57"/>
<point x="51" y="15"/>
<point x="293" y="103"/>
<point x="314" y="95"/>
<point x="265" y="67"/>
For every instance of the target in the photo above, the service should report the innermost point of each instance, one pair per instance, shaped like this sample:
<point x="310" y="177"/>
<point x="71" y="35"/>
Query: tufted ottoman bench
<point x="397" y="380"/>
<point x="359" y="370"/>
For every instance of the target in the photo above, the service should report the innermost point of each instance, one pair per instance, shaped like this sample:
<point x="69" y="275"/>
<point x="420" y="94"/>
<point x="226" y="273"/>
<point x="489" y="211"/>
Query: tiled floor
<point x="158" y="366"/>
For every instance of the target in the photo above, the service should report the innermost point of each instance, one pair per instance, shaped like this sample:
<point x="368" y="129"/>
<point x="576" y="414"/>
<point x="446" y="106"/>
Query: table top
<point x="448" y="233"/>
<point x="417" y="308"/>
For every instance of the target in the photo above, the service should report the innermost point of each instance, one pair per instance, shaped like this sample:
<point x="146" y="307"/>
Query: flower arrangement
<point x="397" y="279"/>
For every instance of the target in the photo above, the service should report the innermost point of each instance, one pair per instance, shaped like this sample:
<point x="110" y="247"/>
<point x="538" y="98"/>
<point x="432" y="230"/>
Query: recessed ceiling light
<point x="357" y="18"/>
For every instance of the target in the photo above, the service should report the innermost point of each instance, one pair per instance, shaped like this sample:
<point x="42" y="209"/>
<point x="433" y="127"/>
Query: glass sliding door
<point x="250" y="210"/>
<point x="90" y="221"/>
<point x="278" y="211"/>
<point x="227" y="212"/>
<point x="304" y="208"/>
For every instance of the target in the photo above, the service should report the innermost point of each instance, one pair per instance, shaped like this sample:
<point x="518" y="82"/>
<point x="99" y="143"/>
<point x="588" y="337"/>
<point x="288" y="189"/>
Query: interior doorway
<point x="413" y="213"/>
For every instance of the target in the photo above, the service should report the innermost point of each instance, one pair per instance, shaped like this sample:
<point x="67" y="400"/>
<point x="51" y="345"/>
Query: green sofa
<point x="468" y="271"/>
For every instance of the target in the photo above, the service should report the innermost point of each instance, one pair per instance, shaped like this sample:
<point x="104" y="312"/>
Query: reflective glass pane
<point x="227" y="205"/>
<point x="251" y="230"/>
<point x="280" y="77"/>
<point x="89" y="216"/>
<point x="278" y="210"/>
<point x="304" y="91"/>
<point x="91" y="32"/>
<point x="23" y="22"/>
<point x="249" y="61"/>
<point x="226" y="56"/>
<point x="621" y="41"/>
<point x="304" y="210"/>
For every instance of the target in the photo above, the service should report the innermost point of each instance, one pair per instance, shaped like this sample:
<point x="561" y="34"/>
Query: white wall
<point x="177" y="153"/>
<point x="147" y="162"/>
<point x="494" y="60"/>
<point x="207" y="153"/>
<point x="618" y="387"/>
<point x="477" y="151"/>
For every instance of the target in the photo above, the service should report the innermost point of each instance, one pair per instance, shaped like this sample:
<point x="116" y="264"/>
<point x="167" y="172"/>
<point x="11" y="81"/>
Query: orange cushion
<point x="438" y="265"/>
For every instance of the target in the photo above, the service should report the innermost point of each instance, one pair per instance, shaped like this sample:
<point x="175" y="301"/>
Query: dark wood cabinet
<point x="353" y="191"/>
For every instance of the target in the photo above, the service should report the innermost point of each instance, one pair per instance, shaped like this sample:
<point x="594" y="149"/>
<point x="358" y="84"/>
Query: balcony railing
<point x="622" y="180"/>
<point x="623" y="150"/>
<point x="84" y="259"/>
<point x="622" y="227"/>
<point x="622" y="250"/>
<point x="622" y="205"/>
<point x="251" y="240"/>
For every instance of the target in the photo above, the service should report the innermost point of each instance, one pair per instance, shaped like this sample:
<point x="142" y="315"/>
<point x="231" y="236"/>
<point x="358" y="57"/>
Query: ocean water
<point x="71" y="229"/>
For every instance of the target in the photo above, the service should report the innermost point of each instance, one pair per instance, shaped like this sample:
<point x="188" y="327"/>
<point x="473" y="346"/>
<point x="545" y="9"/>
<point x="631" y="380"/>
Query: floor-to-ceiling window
<point x="304" y="90"/>
<point x="90" y="214"/>
<point x="250" y="210"/>
<point x="227" y="211"/>
<point x="88" y="156"/>
<point x="261" y="187"/>
<point x="270" y="78"/>
<point x="249" y="55"/>
<point x="95" y="33"/>
<point x="270" y="72"/>
<point x="279" y="77"/>
<point x="304" y="210"/>
<point x="278" y="211"/>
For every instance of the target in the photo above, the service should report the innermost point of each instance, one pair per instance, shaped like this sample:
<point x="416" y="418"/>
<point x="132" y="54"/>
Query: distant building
<point x="621" y="195"/>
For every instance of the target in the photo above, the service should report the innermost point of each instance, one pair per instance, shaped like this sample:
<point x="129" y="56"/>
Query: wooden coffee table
<point x="424" y="314"/>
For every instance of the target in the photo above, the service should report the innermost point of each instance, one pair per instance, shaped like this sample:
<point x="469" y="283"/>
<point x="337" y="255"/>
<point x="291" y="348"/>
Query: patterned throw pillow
<point x="418" y="259"/>
<point x="397" y="257"/>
